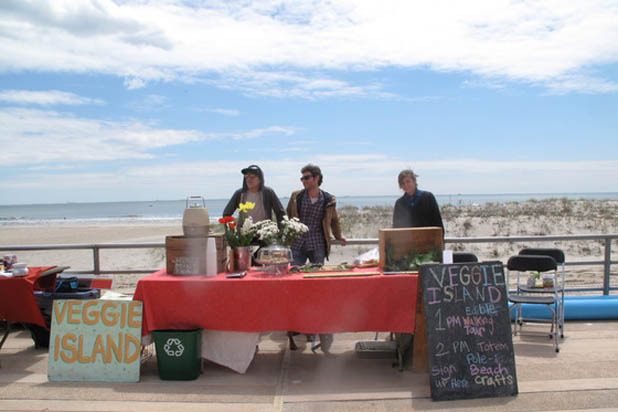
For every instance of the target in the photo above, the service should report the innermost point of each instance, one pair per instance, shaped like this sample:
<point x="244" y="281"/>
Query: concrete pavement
<point x="583" y="376"/>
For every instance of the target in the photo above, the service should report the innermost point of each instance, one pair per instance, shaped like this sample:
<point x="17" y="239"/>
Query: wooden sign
<point x="468" y="331"/>
<point x="95" y="340"/>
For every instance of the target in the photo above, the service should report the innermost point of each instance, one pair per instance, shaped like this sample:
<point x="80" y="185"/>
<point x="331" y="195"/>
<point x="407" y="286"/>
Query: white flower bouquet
<point x="267" y="231"/>
<point x="291" y="229"/>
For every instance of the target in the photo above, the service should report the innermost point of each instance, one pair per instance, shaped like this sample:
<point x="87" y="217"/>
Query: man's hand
<point x="343" y="240"/>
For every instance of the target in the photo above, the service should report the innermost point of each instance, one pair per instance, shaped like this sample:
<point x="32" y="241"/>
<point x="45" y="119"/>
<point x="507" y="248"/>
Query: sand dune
<point x="546" y="217"/>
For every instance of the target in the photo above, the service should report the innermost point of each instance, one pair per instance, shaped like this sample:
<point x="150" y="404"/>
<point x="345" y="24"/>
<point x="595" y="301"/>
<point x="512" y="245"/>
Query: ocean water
<point x="172" y="210"/>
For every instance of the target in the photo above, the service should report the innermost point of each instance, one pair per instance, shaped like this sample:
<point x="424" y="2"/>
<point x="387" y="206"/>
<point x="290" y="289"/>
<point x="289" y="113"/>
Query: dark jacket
<point x="330" y="219"/>
<point x="419" y="211"/>
<point x="272" y="204"/>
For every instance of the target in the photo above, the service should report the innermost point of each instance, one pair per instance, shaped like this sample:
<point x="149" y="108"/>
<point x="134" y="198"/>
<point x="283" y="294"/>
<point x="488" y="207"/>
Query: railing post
<point x="97" y="261"/>
<point x="607" y="265"/>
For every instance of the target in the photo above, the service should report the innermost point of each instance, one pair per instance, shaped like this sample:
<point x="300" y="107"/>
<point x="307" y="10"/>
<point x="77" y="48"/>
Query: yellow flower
<point x="244" y="207"/>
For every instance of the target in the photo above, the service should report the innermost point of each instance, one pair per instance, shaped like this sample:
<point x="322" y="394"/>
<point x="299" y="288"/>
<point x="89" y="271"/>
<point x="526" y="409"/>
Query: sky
<point x="124" y="100"/>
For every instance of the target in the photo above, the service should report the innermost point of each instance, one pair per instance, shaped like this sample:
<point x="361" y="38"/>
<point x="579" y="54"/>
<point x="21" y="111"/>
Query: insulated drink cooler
<point x="195" y="220"/>
<point x="178" y="354"/>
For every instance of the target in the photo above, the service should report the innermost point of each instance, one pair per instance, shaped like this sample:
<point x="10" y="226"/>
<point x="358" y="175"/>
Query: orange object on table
<point x="17" y="301"/>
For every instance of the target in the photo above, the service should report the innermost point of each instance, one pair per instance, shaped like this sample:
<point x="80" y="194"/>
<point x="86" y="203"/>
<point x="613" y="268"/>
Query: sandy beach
<point x="546" y="217"/>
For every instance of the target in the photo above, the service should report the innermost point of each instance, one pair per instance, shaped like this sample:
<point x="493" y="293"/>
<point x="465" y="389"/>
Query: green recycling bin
<point x="178" y="354"/>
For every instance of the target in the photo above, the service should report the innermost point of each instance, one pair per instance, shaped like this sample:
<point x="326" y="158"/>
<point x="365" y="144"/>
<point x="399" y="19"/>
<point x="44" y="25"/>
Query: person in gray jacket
<point x="267" y="204"/>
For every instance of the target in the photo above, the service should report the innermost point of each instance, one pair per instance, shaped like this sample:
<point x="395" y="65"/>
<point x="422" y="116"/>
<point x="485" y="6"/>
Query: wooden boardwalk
<point x="583" y="376"/>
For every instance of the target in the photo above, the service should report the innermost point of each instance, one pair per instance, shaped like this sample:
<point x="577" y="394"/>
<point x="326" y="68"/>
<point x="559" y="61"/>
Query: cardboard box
<point x="186" y="255"/>
<point x="405" y="240"/>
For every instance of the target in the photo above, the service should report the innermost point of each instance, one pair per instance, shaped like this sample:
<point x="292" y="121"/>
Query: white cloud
<point x="380" y="164"/>
<point x="224" y="112"/>
<point x="374" y="174"/>
<point x="133" y="83"/>
<point x="62" y="137"/>
<point x="52" y="166"/>
<point x="581" y="83"/>
<point x="148" y="103"/>
<point x="294" y="84"/>
<point x="155" y="99"/>
<point x="255" y="133"/>
<point x="551" y="43"/>
<point x="45" y="98"/>
<point x="294" y="149"/>
<point x="485" y="83"/>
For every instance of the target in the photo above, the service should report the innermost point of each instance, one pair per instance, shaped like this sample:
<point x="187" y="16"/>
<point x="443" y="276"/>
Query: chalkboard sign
<point x="468" y="331"/>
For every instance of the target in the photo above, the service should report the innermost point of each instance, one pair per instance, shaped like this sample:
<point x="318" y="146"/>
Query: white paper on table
<point x="447" y="256"/>
<point x="110" y="295"/>
<point x="211" y="257"/>
<point x="234" y="350"/>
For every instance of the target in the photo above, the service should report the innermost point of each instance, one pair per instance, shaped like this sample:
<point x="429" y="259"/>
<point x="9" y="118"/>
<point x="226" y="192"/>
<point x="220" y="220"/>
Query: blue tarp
<point x="577" y="308"/>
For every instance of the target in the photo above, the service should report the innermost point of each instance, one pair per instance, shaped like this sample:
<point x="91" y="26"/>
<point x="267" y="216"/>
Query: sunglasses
<point x="306" y="177"/>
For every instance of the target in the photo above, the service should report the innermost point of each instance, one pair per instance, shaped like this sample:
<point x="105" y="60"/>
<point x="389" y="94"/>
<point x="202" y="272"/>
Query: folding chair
<point x="558" y="256"/>
<point x="539" y="296"/>
<point x="464" y="257"/>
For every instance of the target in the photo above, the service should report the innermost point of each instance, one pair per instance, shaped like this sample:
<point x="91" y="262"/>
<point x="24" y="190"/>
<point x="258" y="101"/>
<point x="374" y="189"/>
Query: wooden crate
<point x="405" y="240"/>
<point x="189" y="253"/>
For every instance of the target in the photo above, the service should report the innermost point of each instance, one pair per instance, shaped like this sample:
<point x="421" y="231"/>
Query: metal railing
<point x="97" y="247"/>
<point x="606" y="262"/>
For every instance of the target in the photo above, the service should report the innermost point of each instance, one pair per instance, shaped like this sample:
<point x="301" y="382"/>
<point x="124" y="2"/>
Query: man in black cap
<point x="267" y="204"/>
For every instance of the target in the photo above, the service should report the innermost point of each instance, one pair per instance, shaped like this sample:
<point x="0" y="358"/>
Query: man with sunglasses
<point x="316" y="209"/>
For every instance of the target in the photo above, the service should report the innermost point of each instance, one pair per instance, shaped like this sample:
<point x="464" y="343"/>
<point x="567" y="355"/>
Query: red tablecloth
<point x="17" y="302"/>
<point x="258" y="303"/>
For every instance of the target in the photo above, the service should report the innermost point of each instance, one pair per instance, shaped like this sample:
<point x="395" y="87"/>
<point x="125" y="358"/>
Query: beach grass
<point x="559" y="216"/>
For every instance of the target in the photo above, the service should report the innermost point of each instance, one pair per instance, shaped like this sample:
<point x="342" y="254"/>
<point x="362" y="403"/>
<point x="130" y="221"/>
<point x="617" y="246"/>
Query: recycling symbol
<point x="173" y="347"/>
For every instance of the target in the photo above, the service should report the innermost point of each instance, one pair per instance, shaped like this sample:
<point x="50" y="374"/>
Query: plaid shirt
<point x="311" y="214"/>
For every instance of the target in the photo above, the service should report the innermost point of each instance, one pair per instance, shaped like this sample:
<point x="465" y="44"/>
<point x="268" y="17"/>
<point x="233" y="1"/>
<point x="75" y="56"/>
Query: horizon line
<point x="338" y="196"/>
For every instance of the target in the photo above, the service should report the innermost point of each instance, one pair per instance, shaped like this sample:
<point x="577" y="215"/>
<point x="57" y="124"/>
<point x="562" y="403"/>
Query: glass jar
<point x="20" y="269"/>
<point x="275" y="259"/>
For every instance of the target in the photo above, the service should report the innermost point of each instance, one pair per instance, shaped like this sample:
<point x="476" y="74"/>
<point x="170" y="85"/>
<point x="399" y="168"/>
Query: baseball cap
<point x="251" y="169"/>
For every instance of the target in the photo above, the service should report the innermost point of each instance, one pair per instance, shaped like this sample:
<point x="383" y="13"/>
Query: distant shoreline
<point x="525" y="195"/>
<point x="161" y="212"/>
